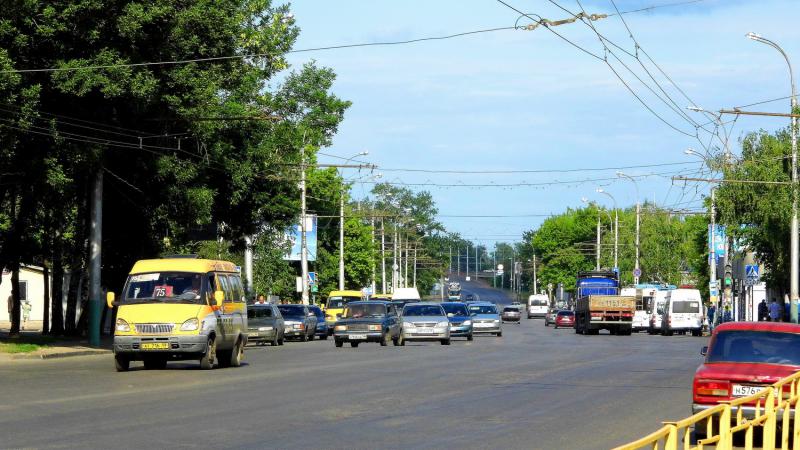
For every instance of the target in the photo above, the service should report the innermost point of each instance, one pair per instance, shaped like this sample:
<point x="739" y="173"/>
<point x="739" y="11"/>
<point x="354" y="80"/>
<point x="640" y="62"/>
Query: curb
<point x="57" y="355"/>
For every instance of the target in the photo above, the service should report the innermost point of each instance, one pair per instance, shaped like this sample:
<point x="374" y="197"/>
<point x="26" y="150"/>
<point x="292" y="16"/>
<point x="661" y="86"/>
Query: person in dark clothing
<point x="763" y="311"/>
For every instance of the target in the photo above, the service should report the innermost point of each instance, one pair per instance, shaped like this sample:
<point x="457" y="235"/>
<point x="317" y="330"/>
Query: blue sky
<point x="527" y="100"/>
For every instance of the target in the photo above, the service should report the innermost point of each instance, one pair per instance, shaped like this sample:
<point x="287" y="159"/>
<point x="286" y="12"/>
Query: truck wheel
<point x="122" y="363"/>
<point x="385" y="340"/>
<point x="337" y="342"/>
<point x="207" y="361"/>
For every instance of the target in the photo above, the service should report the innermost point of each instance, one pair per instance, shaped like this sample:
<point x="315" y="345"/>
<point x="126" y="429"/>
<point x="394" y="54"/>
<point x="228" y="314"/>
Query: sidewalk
<point x="52" y="346"/>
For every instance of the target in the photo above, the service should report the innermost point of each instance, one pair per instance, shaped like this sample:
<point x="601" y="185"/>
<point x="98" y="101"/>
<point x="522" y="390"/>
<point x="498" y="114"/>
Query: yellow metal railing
<point x="773" y="405"/>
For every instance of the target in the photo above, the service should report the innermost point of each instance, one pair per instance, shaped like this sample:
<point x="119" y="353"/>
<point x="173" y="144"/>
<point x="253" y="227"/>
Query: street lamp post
<point x="616" y="227"/>
<point x="341" y="225"/>
<point x="636" y="270"/>
<point x="597" y="246"/>
<point x="794" y="271"/>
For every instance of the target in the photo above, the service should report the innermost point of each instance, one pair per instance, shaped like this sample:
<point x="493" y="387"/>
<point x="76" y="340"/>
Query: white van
<point x="656" y="310"/>
<point x="641" y="317"/>
<point x="537" y="305"/>
<point x="406" y="294"/>
<point x="683" y="312"/>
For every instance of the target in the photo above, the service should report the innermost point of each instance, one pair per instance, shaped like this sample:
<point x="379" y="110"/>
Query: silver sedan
<point x="425" y="321"/>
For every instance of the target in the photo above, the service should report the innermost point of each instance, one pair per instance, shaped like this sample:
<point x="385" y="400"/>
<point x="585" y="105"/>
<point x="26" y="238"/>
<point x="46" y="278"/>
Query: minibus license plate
<point x="741" y="390"/>
<point x="155" y="346"/>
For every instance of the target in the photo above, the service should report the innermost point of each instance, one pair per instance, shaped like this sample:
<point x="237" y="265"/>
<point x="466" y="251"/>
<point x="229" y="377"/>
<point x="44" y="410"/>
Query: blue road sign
<point x="751" y="271"/>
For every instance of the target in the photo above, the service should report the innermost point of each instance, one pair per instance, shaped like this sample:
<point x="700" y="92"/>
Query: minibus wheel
<point x="207" y="361"/>
<point x="237" y="355"/>
<point x="122" y="363"/>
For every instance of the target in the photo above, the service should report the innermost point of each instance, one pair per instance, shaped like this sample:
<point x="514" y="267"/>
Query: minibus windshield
<point x="165" y="287"/>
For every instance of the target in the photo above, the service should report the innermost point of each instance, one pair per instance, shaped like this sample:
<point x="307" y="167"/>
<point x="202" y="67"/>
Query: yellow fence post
<point x="768" y="438"/>
<point x="671" y="442"/>
<point x="724" y="428"/>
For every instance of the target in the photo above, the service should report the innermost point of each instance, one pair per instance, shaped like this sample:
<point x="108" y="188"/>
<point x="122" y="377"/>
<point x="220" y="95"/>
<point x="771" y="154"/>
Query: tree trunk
<point x="16" y="301"/>
<point x="57" y="322"/>
<point x="46" y="308"/>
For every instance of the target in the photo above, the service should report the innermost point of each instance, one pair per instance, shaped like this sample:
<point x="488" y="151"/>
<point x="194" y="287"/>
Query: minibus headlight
<point x="190" y="325"/>
<point x="122" y="325"/>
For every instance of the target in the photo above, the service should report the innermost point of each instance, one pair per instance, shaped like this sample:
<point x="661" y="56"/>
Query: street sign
<point x="312" y="278"/>
<point x="750" y="281"/>
<point x="637" y="272"/>
<point x="751" y="271"/>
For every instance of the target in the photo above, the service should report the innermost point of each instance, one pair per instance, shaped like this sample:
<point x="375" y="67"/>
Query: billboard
<point x="293" y="235"/>
<point x="719" y="241"/>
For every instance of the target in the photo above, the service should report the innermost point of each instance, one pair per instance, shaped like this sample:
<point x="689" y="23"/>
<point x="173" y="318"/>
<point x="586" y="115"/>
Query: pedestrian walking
<point x="763" y="311"/>
<point x="774" y="311"/>
<point x="711" y="312"/>
<point x="26" y="312"/>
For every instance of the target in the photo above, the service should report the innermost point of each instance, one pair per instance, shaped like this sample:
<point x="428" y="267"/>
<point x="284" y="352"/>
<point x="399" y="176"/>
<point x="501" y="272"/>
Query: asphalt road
<point x="533" y="388"/>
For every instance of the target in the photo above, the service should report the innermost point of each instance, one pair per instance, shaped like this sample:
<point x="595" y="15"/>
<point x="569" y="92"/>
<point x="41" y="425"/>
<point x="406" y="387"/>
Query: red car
<point x="743" y="358"/>
<point x="565" y="319"/>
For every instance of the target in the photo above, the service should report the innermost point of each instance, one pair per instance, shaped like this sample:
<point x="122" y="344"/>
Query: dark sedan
<point x="368" y="321"/>
<point x="298" y="322"/>
<point x="322" y="327"/>
<point x="264" y="324"/>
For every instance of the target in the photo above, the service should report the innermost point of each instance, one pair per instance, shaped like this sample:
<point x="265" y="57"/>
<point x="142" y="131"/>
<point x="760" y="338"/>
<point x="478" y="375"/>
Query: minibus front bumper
<point x="163" y="345"/>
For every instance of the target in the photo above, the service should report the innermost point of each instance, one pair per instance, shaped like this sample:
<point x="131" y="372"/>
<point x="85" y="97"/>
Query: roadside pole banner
<point x="719" y="240"/>
<point x="293" y="235"/>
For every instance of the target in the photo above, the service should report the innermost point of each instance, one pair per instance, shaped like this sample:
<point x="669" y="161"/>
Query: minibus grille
<point x="154" y="328"/>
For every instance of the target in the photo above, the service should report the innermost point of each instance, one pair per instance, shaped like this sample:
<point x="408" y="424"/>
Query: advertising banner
<point x="719" y="241"/>
<point x="293" y="234"/>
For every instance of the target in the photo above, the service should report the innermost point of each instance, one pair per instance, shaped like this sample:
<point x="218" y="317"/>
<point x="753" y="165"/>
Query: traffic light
<point x="728" y="275"/>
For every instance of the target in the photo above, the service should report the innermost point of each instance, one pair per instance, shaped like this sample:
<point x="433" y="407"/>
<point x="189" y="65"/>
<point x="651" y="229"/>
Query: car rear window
<point x="686" y="306"/>
<point x="566" y="313"/>
<point x="755" y="347"/>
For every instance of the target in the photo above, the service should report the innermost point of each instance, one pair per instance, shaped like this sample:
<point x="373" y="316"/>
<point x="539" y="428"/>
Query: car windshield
<point x="292" y="310"/>
<point x="455" y="310"/>
<point x="259" y="312"/>
<point x="755" y="347"/>
<point x="483" y="309"/>
<point x="166" y="287"/>
<point x="363" y="310"/>
<point x="686" y="306"/>
<point x="422" y="310"/>
<point x="339" y="302"/>
<point x="317" y="312"/>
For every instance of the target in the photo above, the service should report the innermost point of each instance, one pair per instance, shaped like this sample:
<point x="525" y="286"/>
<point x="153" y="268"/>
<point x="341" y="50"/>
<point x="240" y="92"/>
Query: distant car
<point x="264" y="324"/>
<point x="565" y="318"/>
<point x="741" y="359"/>
<point x="485" y="318"/>
<point x="298" y="322"/>
<point x="511" y="314"/>
<point x="425" y="321"/>
<point x="322" y="327"/>
<point x="469" y="297"/>
<point x="550" y="317"/>
<point x="368" y="321"/>
<point x="460" y="319"/>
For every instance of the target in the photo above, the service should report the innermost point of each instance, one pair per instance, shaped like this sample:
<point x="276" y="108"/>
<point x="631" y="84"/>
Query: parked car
<point x="368" y="321"/>
<point x="298" y="322"/>
<point x="460" y="319"/>
<point x="485" y="318"/>
<point x="741" y="359"/>
<point x="511" y="314"/>
<point x="322" y="326"/>
<point x="565" y="318"/>
<point x="264" y="324"/>
<point x="425" y="321"/>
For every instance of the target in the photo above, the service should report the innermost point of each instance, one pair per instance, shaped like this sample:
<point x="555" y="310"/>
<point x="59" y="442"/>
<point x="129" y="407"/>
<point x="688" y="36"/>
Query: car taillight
<point x="712" y="388"/>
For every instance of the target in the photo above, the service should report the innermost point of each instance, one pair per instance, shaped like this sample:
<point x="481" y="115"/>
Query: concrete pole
<point x="405" y="277"/>
<point x="303" y="243"/>
<point x="712" y="254"/>
<point x="415" y="266"/>
<point x="535" y="281"/>
<point x="341" y="239"/>
<point x="638" y="213"/>
<point x="597" y="249"/>
<point x="95" y="262"/>
<point x="458" y="261"/>
<point x="394" y="259"/>
<point x="372" y="230"/>
<point x="383" y="259"/>
<point x="248" y="265"/>
<point x="616" y="238"/>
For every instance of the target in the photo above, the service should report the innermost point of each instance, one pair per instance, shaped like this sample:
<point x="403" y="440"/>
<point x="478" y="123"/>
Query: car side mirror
<point x="219" y="297"/>
<point x="704" y="350"/>
<point x="110" y="299"/>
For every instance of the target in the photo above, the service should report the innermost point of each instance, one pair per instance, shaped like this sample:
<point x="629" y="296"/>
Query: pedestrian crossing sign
<point x="751" y="271"/>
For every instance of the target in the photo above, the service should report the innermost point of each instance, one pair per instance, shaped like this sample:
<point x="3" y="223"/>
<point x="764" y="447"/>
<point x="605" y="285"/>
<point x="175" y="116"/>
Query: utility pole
<point x="394" y="260"/>
<point x="535" y="281"/>
<point x="494" y="266"/>
<point x="405" y="260"/>
<point x="248" y="265"/>
<point x="638" y="214"/>
<point x="95" y="260"/>
<point x="372" y="230"/>
<point x="303" y="243"/>
<point x="597" y="249"/>
<point x="712" y="254"/>
<point x="450" y="265"/>
<point x="383" y="259"/>
<point x="415" y="266"/>
<point x="458" y="261"/>
<point x="341" y="239"/>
